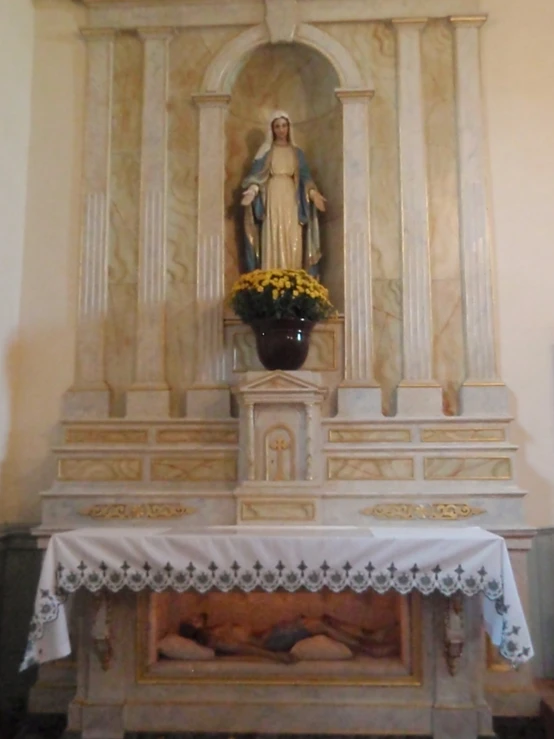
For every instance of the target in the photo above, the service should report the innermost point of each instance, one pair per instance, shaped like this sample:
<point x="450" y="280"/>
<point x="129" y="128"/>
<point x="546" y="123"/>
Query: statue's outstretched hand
<point x="248" y="196"/>
<point x="318" y="200"/>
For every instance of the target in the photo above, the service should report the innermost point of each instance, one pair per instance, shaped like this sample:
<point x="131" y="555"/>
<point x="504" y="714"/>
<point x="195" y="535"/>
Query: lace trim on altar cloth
<point x="258" y="577"/>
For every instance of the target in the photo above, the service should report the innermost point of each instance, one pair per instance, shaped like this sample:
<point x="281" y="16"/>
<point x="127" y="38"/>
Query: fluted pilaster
<point x="358" y="394"/>
<point x="89" y="396"/>
<point x="210" y="395"/>
<point x="418" y="392"/>
<point x="482" y="390"/>
<point x="149" y="395"/>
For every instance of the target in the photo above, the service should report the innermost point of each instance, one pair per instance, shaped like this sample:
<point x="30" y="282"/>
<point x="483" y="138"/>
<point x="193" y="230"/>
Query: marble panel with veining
<point x="190" y="53"/>
<point x="194" y="469"/>
<point x="373" y="46"/>
<point x="128" y="67"/>
<point x="100" y="470"/>
<point x="448" y="341"/>
<point x="440" y="132"/>
<point x="359" y="468"/>
<point x="387" y="339"/>
<point x="126" y="131"/>
<point x="467" y="468"/>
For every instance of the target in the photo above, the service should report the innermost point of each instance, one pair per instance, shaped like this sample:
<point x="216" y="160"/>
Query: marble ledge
<point x="213" y="13"/>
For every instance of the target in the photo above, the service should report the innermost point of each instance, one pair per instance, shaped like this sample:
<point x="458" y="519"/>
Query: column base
<point x="484" y="399"/>
<point x="455" y="723"/>
<point x="424" y="399"/>
<point x="209" y="402"/>
<point x="145" y="402"/>
<point x="86" y="403"/>
<point x="356" y="401"/>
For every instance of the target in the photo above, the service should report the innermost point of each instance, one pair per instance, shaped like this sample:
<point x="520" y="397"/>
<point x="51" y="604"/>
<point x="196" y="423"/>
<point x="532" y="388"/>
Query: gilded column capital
<point x="468" y="21"/>
<point x="161" y="33"/>
<point x="414" y="23"/>
<point x="211" y="99"/>
<point x="98" y="34"/>
<point x="354" y="94"/>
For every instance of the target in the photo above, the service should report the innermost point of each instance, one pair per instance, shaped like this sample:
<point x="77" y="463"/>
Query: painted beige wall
<point x="518" y="74"/>
<point x="16" y="60"/>
<point x="518" y="68"/>
<point x="41" y="355"/>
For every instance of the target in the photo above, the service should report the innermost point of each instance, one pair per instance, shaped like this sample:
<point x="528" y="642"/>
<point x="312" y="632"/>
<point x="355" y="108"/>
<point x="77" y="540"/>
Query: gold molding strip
<point x="443" y="435"/>
<point x="427" y="511"/>
<point x="100" y="469"/>
<point x="370" y="468"/>
<point x="467" y="468"/>
<point x="79" y="435"/>
<point x="112" y="511"/>
<point x="357" y="435"/>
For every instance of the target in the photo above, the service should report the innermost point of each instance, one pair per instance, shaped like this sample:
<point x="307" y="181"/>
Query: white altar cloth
<point x="449" y="560"/>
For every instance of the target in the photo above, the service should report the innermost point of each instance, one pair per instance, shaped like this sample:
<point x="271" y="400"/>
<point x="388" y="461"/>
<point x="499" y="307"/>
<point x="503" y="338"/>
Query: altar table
<point x="467" y="560"/>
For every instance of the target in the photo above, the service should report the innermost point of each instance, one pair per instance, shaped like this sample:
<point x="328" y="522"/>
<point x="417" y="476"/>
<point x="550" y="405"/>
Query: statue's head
<point x="280" y="128"/>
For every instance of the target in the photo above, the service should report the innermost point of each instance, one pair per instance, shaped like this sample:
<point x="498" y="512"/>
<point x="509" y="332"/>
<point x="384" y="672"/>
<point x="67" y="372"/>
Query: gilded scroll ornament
<point x="429" y="511"/>
<point x="112" y="511"/>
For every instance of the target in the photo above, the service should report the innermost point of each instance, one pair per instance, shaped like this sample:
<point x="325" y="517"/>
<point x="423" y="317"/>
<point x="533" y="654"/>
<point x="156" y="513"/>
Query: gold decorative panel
<point x="264" y="509"/>
<point x="194" y="469"/>
<point x="100" y="469"/>
<point x="197" y="436"/>
<point x="76" y="435"/>
<point x="462" y="435"/>
<point x="113" y="511"/>
<point x="431" y="511"/>
<point x="355" y="436"/>
<point x="372" y="468"/>
<point x="467" y="468"/>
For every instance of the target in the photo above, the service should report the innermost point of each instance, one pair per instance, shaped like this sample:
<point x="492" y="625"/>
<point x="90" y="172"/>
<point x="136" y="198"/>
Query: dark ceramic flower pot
<point x="282" y="343"/>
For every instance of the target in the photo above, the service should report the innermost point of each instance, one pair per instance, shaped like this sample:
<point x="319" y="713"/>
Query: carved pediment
<point x="279" y="381"/>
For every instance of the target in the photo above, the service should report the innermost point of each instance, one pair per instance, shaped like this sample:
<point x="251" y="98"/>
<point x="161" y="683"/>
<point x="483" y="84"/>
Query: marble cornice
<point x="197" y="13"/>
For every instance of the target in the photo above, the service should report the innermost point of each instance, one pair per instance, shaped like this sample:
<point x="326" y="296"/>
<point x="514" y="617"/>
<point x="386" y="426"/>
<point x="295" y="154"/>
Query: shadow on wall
<point x="540" y="573"/>
<point x="19" y="557"/>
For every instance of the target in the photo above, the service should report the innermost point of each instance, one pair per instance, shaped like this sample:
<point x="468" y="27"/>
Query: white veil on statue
<point x="268" y="143"/>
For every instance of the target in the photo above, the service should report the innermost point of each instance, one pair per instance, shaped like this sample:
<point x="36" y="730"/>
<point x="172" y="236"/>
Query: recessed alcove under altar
<point x="389" y="652"/>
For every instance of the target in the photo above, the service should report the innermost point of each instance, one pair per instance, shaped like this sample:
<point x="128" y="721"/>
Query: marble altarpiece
<point x="399" y="414"/>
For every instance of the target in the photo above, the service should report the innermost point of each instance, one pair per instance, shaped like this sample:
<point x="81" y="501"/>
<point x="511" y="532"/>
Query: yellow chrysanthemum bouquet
<point x="280" y="293"/>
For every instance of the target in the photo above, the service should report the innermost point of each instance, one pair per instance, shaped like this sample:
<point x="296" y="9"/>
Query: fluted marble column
<point x="210" y="397"/>
<point x="358" y="394"/>
<point x="149" y="395"/>
<point x="482" y="392"/>
<point x="418" y="393"/>
<point x="89" y="395"/>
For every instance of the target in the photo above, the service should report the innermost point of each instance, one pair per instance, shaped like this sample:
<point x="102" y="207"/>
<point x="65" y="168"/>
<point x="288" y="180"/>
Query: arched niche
<point x="301" y="81"/>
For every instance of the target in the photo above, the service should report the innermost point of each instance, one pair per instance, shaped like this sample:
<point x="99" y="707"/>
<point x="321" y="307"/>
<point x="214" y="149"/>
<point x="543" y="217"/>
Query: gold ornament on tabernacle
<point x="112" y="511"/>
<point x="428" y="511"/>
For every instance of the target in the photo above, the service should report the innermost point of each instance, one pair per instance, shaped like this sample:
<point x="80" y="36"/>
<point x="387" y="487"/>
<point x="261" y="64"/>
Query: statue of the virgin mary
<point x="281" y="202"/>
